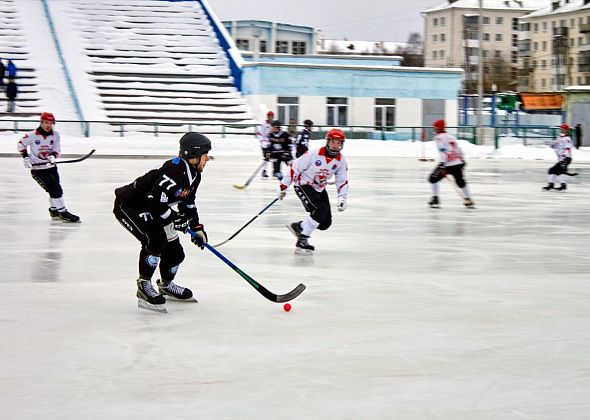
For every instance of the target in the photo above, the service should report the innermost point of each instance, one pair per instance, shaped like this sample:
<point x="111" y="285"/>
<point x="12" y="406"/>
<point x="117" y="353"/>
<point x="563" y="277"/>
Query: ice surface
<point x="409" y="312"/>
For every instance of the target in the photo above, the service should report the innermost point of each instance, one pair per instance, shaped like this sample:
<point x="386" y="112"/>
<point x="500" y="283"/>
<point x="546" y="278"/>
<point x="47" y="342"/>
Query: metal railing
<point x="157" y="128"/>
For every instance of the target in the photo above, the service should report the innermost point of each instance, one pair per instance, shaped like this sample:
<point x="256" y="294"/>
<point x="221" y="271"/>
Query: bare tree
<point x="413" y="51"/>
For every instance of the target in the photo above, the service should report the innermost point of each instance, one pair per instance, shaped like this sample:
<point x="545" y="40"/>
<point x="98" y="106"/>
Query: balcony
<point x="561" y="31"/>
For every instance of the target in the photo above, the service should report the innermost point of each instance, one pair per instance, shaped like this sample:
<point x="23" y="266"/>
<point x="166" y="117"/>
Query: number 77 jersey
<point x="174" y="183"/>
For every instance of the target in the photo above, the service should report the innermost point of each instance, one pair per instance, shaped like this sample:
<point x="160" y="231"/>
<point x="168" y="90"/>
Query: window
<point x="299" y="47"/>
<point x="486" y="37"/>
<point x="288" y="109"/>
<point x="262" y="46"/>
<point x="337" y="111"/>
<point x="498" y="37"/>
<point x="434" y="38"/>
<point x="243" y="44"/>
<point x="543" y="83"/>
<point x="442" y="37"/>
<point x="514" y="40"/>
<point x="434" y="53"/>
<point x="515" y="25"/>
<point x="544" y="45"/>
<point x="543" y="64"/>
<point x="497" y="54"/>
<point x="486" y="20"/>
<point x="499" y="20"/>
<point x="435" y="22"/>
<point x="514" y="57"/>
<point x="535" y="46"/>
<point x="442" y="21"/>
<point x="484" y="53"/>
<point x="282" y="47"/>
<point x="535" y="27"/>
<point x="384" y="113"/>
<point x="441" y="54"/>
<point x="544" y="24"/>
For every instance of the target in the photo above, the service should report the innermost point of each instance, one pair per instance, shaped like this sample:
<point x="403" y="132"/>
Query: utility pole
<point x="480" y="72"/>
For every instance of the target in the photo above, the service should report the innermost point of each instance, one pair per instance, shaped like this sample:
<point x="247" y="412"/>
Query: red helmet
<point x="439" y="125"/>
<point x="270" y="113"/>
<point x="564" y="127"/>
<point x="335" y="134"/>
<point x="47" y="116"/>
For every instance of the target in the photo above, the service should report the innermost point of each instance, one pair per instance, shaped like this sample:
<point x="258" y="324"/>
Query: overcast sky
<point x="360" y="20"/>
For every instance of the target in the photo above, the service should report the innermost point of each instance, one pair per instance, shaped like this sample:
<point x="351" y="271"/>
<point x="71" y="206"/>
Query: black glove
<point x="181" y="223"/>
<point x="199" y="237"/>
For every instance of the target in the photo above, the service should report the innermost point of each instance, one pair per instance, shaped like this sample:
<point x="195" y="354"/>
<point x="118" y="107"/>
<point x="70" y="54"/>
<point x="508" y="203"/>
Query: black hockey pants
<point x="49" y="181"/>
<point x="317" y="204"/>
<point x="155" y="247"/>
<point x="456" y="171"/>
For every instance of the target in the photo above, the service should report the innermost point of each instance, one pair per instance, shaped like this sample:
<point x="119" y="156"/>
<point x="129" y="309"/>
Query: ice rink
<point x="409" y="312"/>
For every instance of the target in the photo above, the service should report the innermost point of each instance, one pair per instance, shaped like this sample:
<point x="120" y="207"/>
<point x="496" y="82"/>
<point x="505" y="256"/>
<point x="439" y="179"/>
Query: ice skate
<point x="176" y="292"/>
<point x="302" y="247"/>
<point x="148" y="298"/>
<point x="549" y="186"/>
<point x="433" y="203"/>
<point x="562" y="187"/>
<point x="295" y="229"/>
<point x="53" y="213"/>
<point x="278" y="175"/>
<point x="468" y="202"/>
<point x="68" y="217"/>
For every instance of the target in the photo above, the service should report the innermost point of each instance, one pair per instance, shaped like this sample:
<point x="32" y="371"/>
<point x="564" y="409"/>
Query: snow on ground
<point x="167" y="145"/>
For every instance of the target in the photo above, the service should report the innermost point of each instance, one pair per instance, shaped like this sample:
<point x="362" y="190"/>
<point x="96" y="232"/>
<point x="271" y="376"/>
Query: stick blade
<point x="292" y="294"/>
<point x="239" y="187"/>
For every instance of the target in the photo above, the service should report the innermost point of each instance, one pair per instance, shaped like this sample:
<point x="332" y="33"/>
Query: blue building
<point x="279" y="71"/>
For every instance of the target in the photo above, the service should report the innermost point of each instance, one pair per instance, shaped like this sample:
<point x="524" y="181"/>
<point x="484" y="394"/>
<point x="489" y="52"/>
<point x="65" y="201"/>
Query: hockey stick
<point x="69" y="161"/>
<point x="241" y="187"/>
<point x="259" y="288"/>
<point x="251" y="220"/>
<point x="571" y="173"/>
<point x="454" y="187"/>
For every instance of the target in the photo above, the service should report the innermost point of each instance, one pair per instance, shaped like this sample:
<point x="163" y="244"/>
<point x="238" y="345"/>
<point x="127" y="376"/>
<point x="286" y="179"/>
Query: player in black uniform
<point x="302" y="140"/>
<point x="280" y="146"/>
<point x="145" y="208"/>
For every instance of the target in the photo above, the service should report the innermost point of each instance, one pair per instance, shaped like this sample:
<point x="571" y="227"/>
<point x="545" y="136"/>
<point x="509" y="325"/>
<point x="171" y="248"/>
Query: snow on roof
<point x="523" y="5"/>
<point x="571" y="6"/>
<point x="327" y="45"/>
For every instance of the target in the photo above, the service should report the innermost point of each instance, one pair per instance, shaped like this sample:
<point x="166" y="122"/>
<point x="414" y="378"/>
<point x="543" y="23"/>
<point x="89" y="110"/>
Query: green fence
<point x="157" y="128"/>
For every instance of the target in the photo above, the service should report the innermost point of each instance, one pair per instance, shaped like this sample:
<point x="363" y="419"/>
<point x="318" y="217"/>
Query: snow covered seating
<point x="148" y="60"/>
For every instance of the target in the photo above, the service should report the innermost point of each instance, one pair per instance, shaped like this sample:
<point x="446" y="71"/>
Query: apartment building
<point x="554" y="47"/>
<point x="451" y="39"/>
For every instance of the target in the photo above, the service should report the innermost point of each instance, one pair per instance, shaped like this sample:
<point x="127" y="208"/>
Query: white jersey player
<point x="39" y="149"/>
<point x="451" y="162"/>
<point x="309" y="175"/>
<point x="563" y="147"/>
<point x="262" y="135"/>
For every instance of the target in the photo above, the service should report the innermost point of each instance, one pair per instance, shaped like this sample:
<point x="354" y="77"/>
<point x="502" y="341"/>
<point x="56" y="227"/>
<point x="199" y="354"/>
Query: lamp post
<point x="479" y="71"/>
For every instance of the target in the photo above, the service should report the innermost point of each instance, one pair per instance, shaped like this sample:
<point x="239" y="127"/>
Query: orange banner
<point x="542" y="101"/>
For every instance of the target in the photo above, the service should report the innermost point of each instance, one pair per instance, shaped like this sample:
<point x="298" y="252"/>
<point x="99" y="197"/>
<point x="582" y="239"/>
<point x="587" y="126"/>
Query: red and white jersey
<point x="40" y="146"/>
<point x="449" y="150"/>
<point x="563" y="146"/>
<point x="315" y="168"/>
<point x="263" y="132"/>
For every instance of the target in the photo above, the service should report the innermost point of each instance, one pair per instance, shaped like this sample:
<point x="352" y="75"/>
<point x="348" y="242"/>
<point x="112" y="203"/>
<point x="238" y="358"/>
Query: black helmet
<point x="193" y="145"/>
<point x="308" y="123"/>
<point x="276" y="123"/>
